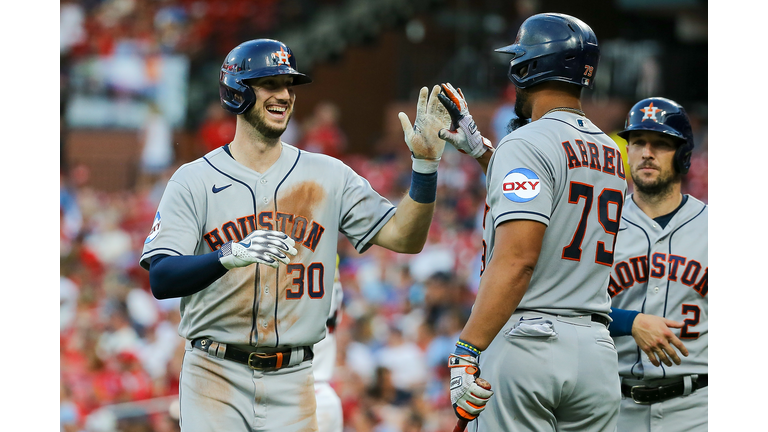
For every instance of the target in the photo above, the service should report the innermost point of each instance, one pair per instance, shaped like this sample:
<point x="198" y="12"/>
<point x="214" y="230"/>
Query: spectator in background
<point x="322" y="133"/>
<point x="218" y="127"/>
<point x="504" y="113"/>
<point x="400" y="351"/>
<point x="157" y="153"/>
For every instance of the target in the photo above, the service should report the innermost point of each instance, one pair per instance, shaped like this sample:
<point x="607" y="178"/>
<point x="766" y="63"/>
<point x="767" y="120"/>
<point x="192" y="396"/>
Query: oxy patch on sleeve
<point x="155" y="229"/>
<point x="521" y="185"/>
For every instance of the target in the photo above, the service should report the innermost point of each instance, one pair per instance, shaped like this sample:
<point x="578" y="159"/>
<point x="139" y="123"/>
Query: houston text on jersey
<point x="299" y="228"/>
<point x="674" y="267"/>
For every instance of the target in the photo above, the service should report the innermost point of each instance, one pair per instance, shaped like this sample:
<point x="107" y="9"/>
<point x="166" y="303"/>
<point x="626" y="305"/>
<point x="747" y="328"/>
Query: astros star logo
<point x="282" y="57"/>
<point x="650" y="112"/>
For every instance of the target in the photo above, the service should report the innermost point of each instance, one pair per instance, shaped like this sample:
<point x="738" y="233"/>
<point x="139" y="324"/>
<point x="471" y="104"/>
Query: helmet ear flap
<point x="682" y="161"/>
<point x="236" y="97"/>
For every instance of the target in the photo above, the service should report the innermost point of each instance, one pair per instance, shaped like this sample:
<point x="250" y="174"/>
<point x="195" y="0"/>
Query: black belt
<point x="601" y="319"/>
<point x="256" y="360"/>
<point x="648" y="395"/>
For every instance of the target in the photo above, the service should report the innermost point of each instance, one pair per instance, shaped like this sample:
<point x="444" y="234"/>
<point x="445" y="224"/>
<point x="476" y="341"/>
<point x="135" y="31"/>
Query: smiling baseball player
<point x="661" y="268"/>
<point x="247" y="237"/>
<point x="555" y="193"/>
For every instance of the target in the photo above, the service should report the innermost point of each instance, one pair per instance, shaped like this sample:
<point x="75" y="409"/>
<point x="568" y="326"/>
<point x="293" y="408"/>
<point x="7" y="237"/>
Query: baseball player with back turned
<point x="555" y="191"/>
<point x="661" y="268"/>
<point x="247" y="236"/>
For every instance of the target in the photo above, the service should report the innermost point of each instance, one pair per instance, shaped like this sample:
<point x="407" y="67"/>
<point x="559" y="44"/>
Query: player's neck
<point x="655" y="205"/>
<point x="254" y="150"/>
<point x="546" y="100"/>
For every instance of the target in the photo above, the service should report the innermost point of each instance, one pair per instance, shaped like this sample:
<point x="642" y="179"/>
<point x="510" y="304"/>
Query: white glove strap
<point x="477" y="143"/>
<point x="230" y="255"/>
<point x="425" y="166"/>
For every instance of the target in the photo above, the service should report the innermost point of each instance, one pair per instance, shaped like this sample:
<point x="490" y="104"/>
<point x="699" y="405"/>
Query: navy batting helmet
<point x="254" y="59"/>
<point x="553" y="47"/>
<point x="667" y="117"/>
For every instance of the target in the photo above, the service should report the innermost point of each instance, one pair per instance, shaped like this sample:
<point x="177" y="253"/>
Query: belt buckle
<point x="632" y="395"/>
<point x="258" y="355"/>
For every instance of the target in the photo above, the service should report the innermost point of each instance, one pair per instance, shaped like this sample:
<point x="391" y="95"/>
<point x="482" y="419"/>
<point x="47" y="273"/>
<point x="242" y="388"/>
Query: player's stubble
<point x="257" y="119"/>
<point x="659" y="186"/>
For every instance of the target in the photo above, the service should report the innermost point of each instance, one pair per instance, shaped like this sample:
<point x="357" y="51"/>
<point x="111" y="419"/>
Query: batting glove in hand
<point x="261" y="246"/>
<point x="467" y="397"/>
<point x="463" y="133"/>
<point x="423" y="140"/>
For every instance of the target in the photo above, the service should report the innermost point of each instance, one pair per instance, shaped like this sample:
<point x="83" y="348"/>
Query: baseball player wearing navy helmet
<point x="661" y="269"/>
<point x="556" y="188"/>
<point x="246" y="236"/>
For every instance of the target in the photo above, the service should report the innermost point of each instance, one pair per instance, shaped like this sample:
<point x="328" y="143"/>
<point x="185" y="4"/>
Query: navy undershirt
<point x="664" y="220"/>
<point x="180" y="276"/>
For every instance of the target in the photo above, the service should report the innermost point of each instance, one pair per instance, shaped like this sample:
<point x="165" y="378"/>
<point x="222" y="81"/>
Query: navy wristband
<point x="423" y="187"/>
<point x="622" y="322"/>
<point x="465" y="348"/>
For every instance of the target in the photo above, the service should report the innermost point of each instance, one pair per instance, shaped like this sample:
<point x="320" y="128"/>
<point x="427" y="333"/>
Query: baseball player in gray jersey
<point x="555" y="191"/>
<point x="329" y="412"/>
<point x="247" y="235"/>
<point x="661" y="268"/>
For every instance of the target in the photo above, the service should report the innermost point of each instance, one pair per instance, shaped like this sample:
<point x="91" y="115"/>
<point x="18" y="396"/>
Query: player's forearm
<point x="180" y="276"/>
<point x="485" y="159"/>
<point x="622" y="320"/>
<point x="407" y="231"/>
<point x="501" y="289"/>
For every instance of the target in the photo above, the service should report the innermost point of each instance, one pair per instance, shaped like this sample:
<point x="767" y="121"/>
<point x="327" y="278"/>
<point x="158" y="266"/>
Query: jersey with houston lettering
<point x="562" y="171"/>
<point x="663" y="272"/>
<point x="311" y="197"/>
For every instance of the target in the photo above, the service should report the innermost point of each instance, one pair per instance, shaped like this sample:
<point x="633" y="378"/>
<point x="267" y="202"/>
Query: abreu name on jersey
<point x="589" y="157"/>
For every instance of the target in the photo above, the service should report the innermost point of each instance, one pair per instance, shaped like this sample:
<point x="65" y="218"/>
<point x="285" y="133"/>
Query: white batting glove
<point x="463" y="133"/>
<point x="260" y="246"/>
<point x="422" y="139"/>
<point x="467" y="397"/>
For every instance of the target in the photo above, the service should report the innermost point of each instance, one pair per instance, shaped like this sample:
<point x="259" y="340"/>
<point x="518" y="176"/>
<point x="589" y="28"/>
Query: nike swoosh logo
<point x="214" y="189"/>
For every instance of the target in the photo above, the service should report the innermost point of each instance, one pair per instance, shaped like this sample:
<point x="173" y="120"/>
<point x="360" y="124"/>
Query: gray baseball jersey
<point x="329" y="411"/>
<point x="567" y="174"/>
<point x="311" y="197"/>
<point x="562" y="171"/>
<point x="663" y="272"/>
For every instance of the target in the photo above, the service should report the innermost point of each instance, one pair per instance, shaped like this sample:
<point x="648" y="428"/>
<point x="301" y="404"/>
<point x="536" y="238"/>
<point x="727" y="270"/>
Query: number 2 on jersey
<point x="611" y="226"/>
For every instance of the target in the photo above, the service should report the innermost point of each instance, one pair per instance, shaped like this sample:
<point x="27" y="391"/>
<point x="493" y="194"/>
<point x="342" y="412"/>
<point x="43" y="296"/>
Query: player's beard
<point x="256" y="118"/>
<point x="523" y="111"/>
<point x="660" y="186"/>
<point x="523" y="107"/>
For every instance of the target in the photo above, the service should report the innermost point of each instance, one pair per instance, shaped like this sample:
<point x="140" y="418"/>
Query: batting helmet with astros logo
<point x="553" y="47"/>
<point x="667" y="117"/>
<point x="254" y="59"/>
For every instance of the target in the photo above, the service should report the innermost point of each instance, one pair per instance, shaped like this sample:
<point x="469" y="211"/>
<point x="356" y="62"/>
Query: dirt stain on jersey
<point x="209" y="379"/>
<point x="300" y="202"/>
<point x="307" y="405"/>
<point x="240" y="285"/>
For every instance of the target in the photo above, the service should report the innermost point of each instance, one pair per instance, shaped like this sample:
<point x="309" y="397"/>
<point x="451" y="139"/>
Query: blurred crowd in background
<point x="120" y="353"/>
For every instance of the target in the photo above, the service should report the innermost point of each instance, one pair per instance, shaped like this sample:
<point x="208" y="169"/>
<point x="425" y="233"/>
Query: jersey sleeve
<point x="363" y="211"/>
<point x="175" y="230"/>
<point x="520" y="183"/>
